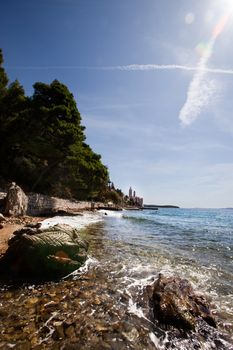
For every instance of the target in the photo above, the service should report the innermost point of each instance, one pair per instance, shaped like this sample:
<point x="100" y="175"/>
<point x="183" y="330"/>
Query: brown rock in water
<point x="175" y="303"/>
<point x="16" y="201"/>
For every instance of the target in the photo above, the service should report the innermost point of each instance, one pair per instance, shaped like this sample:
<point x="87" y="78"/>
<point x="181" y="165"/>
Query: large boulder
<point x="16" y="201"/>
<point x="175" y="303"/>
<point x="45" y="254"/>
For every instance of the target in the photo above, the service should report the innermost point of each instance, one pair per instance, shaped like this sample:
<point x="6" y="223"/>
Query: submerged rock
<point x="44" y="254"/>
<point x="175" y="303"/>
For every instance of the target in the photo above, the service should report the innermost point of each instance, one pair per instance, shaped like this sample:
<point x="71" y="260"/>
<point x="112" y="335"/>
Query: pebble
<point x="87" y="313"/>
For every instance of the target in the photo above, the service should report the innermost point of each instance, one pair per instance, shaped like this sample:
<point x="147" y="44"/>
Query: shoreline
<point x="11" y="225"/>
<point x="104" y="296"/>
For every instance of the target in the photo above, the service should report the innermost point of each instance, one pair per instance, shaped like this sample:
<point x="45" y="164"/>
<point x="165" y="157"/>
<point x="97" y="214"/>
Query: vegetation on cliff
<point x="43" y="145"/>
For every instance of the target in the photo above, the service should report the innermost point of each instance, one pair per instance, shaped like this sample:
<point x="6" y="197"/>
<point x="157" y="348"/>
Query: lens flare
<point x="203" y="49"/>
<point x="220" y="26"/>
<point x="227" y="5"/>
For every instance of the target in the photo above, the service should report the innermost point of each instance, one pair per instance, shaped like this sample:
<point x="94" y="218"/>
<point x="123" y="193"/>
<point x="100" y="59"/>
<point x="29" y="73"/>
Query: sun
<point x="226" y="14"/>
<point x="227" y="6"/>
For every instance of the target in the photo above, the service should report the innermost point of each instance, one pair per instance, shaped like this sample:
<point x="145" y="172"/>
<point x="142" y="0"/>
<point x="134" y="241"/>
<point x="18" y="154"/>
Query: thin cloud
<point x="129" y="68"/>
<point x="200" y="94"/>
<point x="201" y="90"/>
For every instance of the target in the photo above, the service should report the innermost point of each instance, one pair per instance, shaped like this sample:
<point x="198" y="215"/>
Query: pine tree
<point x="3" y="76"/>
<point x="42" y="144"/>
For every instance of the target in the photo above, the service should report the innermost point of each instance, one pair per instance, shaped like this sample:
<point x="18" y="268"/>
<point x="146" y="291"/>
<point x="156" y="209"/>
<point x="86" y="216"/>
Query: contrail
<point x="129" y="68"/>
<point x="151" y="67"/>
<point x="201" y="90"/>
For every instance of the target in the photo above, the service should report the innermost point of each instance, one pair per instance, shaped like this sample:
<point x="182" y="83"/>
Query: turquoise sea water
<point x="200" y="237"/>
<point x="106" y="300"/>
<point x="130" y="249"/>
<point x="196" y="244"/>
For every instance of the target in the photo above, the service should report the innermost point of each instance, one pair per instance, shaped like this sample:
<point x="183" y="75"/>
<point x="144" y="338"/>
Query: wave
<point x="110" y="213"/>
<point x="138" y="219"/>
<point x="77" y="221"/>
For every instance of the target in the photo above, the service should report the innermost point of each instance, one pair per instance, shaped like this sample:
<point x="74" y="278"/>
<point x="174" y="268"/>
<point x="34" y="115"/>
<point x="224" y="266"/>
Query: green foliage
<point x="42" y="144"/>
<point x="3" y="76"/>
<point x="110" y="194"/>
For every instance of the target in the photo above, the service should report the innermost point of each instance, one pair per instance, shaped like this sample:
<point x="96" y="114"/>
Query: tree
<point x="43" y="143"/>
<point x="3" y="76"/>
<point x="13" y="104"/>
<point x="60" y="143"/>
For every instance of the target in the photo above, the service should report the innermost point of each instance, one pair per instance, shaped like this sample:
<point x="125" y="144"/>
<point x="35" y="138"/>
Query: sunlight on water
<point x="127" y="251"/>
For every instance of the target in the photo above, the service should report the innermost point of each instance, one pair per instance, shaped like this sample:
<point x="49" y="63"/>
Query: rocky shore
<point x="80" y="296"/>
<point x="10" y="224"/>
<point x="96" y="308"/>
<point x="40" y="254"/>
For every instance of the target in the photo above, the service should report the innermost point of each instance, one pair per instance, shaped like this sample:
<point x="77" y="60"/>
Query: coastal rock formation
<point x="44" y="254"/>
<point x="175" y="303"/>
<point x="16" y="201"/>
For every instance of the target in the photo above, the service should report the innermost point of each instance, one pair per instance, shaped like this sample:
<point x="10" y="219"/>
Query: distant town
<point x="133" y="199"/>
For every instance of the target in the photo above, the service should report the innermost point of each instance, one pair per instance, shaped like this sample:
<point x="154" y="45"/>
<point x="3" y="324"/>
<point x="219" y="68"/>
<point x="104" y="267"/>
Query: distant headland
<point x="148" y="206"/>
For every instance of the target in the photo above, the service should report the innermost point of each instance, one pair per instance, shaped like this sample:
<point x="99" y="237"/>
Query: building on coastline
<point x="134" y="199"/>
<point x="130" y="192"/>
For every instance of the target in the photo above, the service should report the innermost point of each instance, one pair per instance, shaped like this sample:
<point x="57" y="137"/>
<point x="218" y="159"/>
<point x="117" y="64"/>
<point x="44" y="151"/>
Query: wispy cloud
<point x="201" y="90"/>
<point x="130" y="67"/>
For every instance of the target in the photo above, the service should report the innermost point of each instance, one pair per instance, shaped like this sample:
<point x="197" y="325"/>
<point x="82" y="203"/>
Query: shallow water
<point x="99" y="306"/>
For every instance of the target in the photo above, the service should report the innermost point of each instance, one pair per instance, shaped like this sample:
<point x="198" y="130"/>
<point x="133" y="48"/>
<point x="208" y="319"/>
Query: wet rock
<point x="44" y="254"/>
<point x="132" y="335"/>
<point x="16" y="201"/>
<point x="63" y="329"/>
<point x="24" y="345"/>
<point x="175" y="303"/>
<point x="70" y="331"/>
<point x="58" y="330"/>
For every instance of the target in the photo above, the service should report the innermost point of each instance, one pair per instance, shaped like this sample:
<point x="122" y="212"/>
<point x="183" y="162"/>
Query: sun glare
<point x="227" y="6"/>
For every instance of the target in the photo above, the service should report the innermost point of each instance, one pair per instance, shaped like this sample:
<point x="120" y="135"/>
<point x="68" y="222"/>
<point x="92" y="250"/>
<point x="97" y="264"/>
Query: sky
<point x="153" y="81"/>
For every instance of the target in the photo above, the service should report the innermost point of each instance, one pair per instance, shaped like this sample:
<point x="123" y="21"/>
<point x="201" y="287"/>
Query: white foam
<point x="134" y="309"/>
<point x="50" y="327"/>
<point x="78" y="221"/>
<point x="89" y="263"/>
<point x="154" y="339"/>
<point x="111" y="213"/>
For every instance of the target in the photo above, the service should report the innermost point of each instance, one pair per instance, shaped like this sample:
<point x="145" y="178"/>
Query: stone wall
<point x="39" y="205"/>
<point x="42" y="205"/>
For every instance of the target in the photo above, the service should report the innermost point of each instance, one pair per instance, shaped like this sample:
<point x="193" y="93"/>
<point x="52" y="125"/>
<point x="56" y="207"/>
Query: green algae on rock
<point x="44" y="254"/>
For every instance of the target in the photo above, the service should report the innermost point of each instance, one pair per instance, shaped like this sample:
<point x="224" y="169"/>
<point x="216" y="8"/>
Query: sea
<point x="128" y="251"/>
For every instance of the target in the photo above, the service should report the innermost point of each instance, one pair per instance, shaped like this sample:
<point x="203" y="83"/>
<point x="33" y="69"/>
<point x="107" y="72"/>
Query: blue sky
<point x="153" y="81"/>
